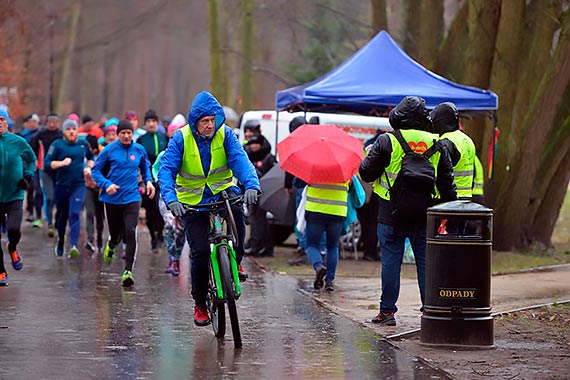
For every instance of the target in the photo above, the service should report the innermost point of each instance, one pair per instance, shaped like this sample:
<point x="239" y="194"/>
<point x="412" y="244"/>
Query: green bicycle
<point x="224" y="284"/>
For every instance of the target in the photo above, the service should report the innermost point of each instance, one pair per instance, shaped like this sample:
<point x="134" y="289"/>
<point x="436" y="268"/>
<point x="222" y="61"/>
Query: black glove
<point x="251" y="196"/>
<point x="176" y="208"/>
<point x="24" y="183"/>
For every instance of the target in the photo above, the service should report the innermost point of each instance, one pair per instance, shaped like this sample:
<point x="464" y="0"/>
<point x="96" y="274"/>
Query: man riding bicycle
<point x="199" y="163"/>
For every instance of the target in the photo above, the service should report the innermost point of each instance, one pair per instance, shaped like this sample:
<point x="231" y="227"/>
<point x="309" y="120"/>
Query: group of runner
<point x="75" y="164"/>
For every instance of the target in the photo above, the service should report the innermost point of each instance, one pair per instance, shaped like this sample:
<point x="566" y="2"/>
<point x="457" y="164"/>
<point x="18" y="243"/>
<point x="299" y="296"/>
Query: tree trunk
<point x="482" y="23"/>
<point x="431" y="31"/>
<point x="72" y="33"/>
<point x="539" y="119"/>
<point x="215" y="53"/>
<point x="450" y="58"/>
<point x="379" y="17"/>
<point x="545" y="220"/>
<point x="411" y="27"/>
<point x="504" y="76"/>
<point x="247" y="51"/>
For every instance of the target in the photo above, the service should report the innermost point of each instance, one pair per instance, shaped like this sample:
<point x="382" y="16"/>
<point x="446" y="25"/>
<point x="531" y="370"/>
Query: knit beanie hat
<point x="112" y="121"/>
<point x="150" y="114"/>
<point x="69" y="123"/>
<point x="5" y="115"/>
<point x="86" y="118"/>
<point x="109" y="129"/>
<point x="124" y="124"/>
<point x="177" y="122"/>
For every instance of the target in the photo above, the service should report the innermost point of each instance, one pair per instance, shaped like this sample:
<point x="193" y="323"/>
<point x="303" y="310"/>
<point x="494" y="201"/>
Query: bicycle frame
<point x="216" y="239"/>
<point x="217" y="226"/>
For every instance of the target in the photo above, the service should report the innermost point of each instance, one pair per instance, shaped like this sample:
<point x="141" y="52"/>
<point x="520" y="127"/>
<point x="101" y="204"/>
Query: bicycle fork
<point x="233" y="269"/>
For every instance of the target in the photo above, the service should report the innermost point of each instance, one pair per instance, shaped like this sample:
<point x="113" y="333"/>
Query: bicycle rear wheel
<point x="216" y="310"/>
<point x="229" y="292"/>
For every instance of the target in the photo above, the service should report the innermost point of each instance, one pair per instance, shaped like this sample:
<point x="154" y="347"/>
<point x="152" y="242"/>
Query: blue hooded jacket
<point x="120" y="164"/>
<point x="204" y="104"/>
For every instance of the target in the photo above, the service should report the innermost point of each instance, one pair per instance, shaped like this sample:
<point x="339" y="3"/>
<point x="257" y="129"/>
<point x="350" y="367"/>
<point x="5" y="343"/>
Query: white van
<point x="275" y="127"/>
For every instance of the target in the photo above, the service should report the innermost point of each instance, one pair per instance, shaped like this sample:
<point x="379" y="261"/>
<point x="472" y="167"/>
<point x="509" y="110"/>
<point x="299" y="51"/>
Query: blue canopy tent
<point x="375" y="79"/>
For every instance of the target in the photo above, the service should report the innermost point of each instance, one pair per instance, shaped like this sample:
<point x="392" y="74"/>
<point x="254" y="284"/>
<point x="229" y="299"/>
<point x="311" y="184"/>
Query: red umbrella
<point x="320" y="154"/>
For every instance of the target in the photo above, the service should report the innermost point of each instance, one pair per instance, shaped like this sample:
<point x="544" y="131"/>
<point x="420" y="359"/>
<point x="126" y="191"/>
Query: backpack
<point x="414" y="187"/>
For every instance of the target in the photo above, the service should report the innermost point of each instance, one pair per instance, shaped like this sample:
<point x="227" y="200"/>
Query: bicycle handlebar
<point x="214" y="206"/>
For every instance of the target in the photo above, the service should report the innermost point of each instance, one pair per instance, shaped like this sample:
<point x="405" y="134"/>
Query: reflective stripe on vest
<point x="328" y="199"/>
<point x="479" y="178"/>
<point x="419" y="141"/>
<point x="191" y="180"/>
<point x="463" y="171"/>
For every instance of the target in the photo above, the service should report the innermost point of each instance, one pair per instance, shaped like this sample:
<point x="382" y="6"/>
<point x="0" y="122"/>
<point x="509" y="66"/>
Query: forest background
<point x="90" y="56"/>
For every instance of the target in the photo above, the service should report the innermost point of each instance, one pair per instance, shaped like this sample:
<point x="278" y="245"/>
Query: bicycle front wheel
<point x="217" y="310"/>
<point x="229" y="292"/>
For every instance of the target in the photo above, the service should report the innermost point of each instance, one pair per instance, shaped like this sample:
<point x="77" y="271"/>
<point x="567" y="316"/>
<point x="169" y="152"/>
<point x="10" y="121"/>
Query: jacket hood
<point x="264" y="150"/>
<point x="445" y="118"/>
<point x="205" y="104"/>
<point x="410" y="113"/>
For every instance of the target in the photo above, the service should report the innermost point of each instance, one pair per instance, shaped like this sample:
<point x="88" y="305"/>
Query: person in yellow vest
<point x="478" y="182"/>
<point x="383" y="164"/>
<point x="326" y="209"/>
<point x="200" y="162"/>
<point x="445" y="119"/>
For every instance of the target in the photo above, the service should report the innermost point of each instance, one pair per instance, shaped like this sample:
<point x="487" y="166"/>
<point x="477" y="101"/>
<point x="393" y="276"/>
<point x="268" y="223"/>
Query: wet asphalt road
<point x="66" y="318"/>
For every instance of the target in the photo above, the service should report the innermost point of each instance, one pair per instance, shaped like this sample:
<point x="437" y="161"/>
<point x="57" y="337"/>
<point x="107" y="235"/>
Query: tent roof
<point x="377" y="77"/>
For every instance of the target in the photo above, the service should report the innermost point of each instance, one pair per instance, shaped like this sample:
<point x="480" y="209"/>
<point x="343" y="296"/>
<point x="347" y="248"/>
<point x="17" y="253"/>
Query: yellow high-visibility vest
<point x="463" y="171"/>
<point x="419" y="141"/>
<point x="191" y="180"/>
<point x="328" y="199"/>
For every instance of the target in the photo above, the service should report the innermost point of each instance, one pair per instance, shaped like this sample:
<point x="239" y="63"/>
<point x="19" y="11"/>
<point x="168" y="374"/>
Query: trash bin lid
<point x="461" y="207"/>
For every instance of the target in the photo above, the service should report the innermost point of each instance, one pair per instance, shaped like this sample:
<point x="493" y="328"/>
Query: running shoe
<point x="37" y="223"/>
<point x="89" y="246"/>
<point x="242" y="274"/>
<point x="73" y="252"/>
<point x="58" y="249"/>
<point x="3" y="279"/>
<point x="320" y="273"/>
<point x="170" y="268"/>
<point x="16" y="260"/>
<point x="108" y="254"/>
<point x="51" y="231"/>
<point x="201" y="315"/>
<point x="386" y="319"/>
<point x="329" y="285"/>
<point x="127" y="279"/>
<point x="176" y="268"/>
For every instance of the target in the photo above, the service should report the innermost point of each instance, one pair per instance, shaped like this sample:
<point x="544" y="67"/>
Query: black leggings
<point x="11" y="213"/>
<point x="122" y="221"/>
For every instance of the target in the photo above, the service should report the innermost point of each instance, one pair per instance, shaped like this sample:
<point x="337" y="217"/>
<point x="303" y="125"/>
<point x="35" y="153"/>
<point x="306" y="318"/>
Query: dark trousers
<point x="154" y="221"/>
<point x="260" y="232"/>
<point x="11" y="213"/>
<point x="197" y="229"/>
<point x="368" y="217"/>
<point x="68" y="202"/>
<point x="94" y="210"/>
<point x="35" y="197"/>
<point x="122" y="221"/>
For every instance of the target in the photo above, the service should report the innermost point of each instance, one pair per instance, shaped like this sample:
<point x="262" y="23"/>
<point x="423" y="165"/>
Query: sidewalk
<point x="358" y="298"/>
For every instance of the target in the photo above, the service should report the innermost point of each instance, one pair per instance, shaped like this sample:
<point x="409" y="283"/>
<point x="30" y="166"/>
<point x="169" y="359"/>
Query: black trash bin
<point x="457" y="311"/>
